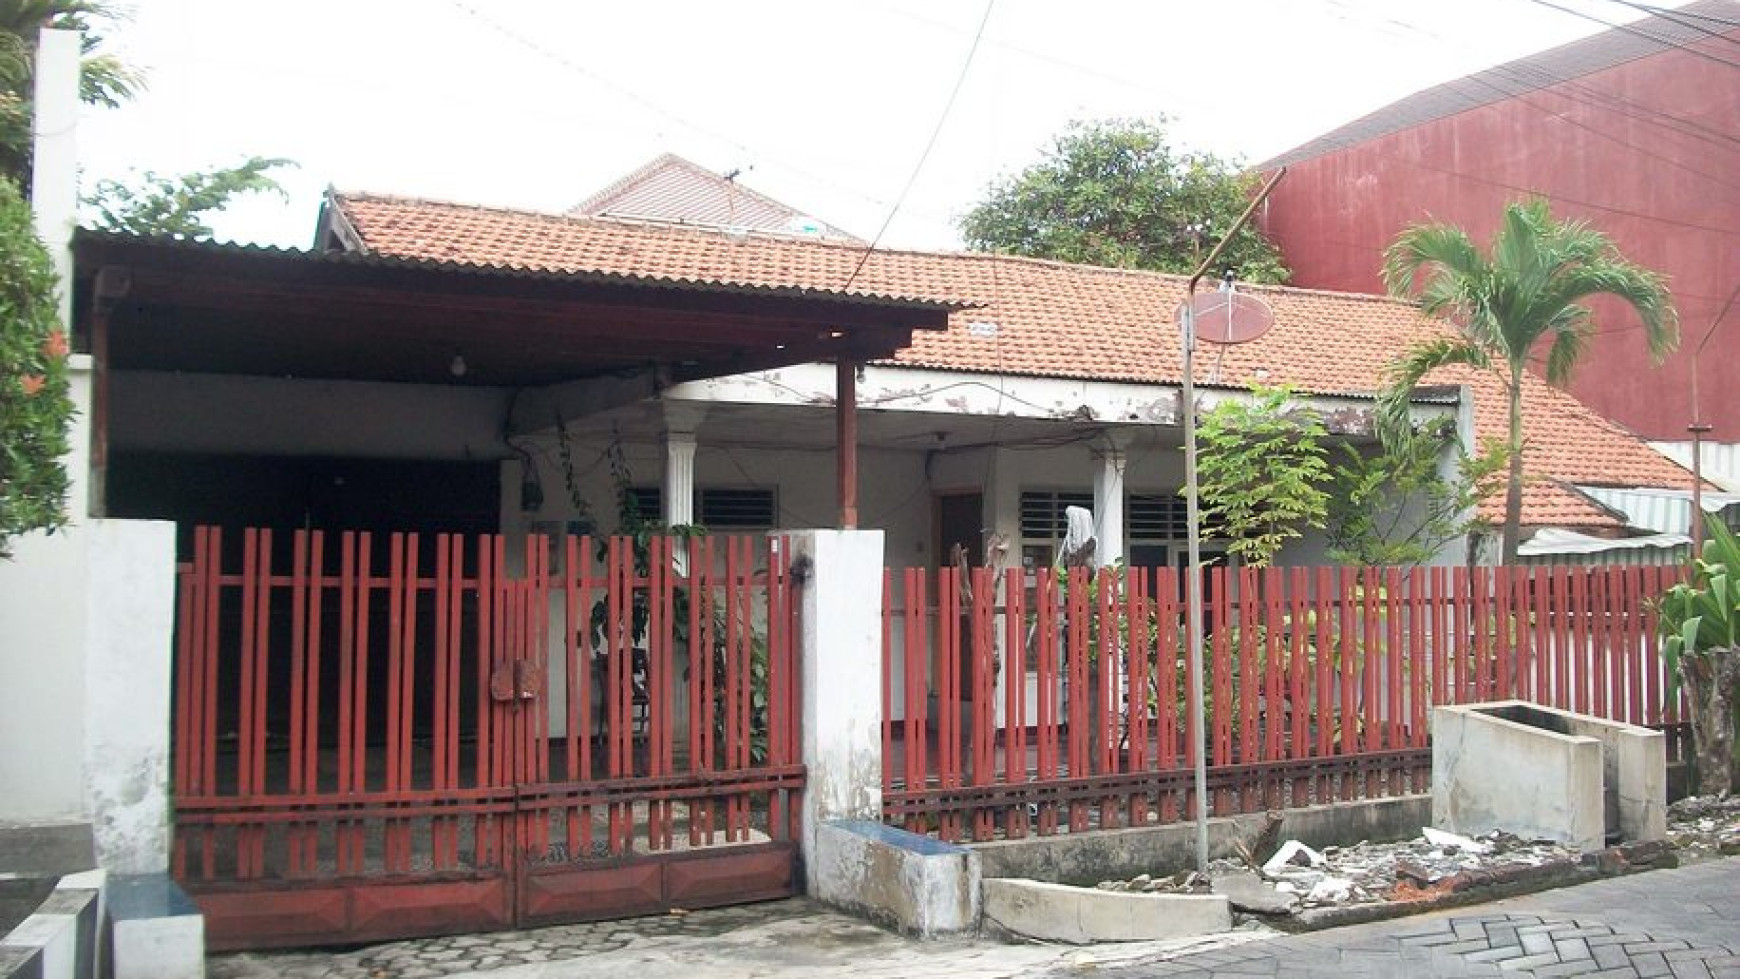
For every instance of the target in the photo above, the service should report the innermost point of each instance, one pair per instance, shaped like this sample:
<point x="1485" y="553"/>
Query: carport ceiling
<point x="182" y="306"/>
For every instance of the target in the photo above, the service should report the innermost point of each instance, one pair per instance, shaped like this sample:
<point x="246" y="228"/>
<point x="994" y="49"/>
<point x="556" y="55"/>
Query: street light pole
<point x="1699" y="428"/>
<point x="1193" y="522"/>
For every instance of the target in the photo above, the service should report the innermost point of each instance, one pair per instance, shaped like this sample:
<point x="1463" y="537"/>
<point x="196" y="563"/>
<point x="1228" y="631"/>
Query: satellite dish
<point x="1229" y="317"/>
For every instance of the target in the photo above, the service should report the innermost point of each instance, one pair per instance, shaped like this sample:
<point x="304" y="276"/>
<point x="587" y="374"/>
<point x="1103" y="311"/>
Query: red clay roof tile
<point x="1052" y="319"/>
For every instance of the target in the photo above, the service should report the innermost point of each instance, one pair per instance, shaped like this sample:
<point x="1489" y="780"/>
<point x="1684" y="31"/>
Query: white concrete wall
<point x="130" y="642"/>
<point x="42" y="677"/>
<point x="842" y="679"/>
<point x="86" y="645"/>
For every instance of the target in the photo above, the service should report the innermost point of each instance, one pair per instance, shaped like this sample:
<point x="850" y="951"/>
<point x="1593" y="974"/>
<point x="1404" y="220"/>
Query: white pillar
<point x="678" y="498"/>
<point x="841" y="645"/>
<point x="54" y="180"/>
<point x="1109" y="502"/>
<point x="677" y="502"/>
<point x="130" y="648"/>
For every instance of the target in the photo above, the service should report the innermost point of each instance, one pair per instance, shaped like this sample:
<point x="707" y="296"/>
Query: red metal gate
<point x="373" y="740"/>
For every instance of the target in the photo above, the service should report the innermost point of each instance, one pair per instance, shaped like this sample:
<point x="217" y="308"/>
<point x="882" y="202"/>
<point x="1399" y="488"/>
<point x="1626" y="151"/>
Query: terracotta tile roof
<point x="670" y="188"/>
<point x="1642" y="38"/>
<point x="1051" y="319"/>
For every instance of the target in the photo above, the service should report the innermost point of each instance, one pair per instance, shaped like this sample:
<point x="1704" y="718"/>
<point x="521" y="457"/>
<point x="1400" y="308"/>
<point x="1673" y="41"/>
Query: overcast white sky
<point x="824" y="105"/>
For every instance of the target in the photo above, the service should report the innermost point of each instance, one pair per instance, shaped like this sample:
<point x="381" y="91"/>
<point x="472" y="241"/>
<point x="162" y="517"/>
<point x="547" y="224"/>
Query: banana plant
<point x="1699" y="625"/>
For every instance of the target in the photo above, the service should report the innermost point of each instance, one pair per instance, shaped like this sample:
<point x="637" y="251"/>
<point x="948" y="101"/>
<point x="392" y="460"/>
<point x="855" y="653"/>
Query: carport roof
<point x="199" y="306"/>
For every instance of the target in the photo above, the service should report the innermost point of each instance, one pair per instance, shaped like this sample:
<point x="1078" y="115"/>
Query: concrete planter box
<point x="911" y="883"/>
<point x="1545" y="773"/>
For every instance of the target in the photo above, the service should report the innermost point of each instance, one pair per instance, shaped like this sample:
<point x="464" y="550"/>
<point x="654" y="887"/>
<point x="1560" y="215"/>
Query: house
<point x="670" y="188"/>
<point x="1632" y="129"/>
<point x="477" y="374"/>
<point x="1054" y="383"/>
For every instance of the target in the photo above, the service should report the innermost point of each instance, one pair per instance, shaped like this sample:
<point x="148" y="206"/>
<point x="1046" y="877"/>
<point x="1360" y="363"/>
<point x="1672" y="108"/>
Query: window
<point x="1043" y="524"/>
<point x="738" y="509"/>
<point x="721" y="509"/>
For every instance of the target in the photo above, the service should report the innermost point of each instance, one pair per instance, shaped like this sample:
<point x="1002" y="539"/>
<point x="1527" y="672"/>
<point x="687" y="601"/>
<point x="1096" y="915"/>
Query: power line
<point x="1631" y="29"/>
<point x="562" y="60"/>
<point x="935" y="132"/>
<point x="1673" y="17"/>
<point x="1546" y="82"/>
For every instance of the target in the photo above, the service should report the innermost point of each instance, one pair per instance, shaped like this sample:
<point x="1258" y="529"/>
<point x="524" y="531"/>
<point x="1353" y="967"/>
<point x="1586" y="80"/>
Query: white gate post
<point x="841" y="648"/>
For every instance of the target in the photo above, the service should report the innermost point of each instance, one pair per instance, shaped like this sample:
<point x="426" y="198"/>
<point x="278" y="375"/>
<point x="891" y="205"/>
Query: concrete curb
<point x="1081" y="916"/>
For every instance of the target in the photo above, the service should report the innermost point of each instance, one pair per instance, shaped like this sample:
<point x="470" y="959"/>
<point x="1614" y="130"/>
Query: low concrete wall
<point x="1493" y="773"/>
<point x="155" y="930"/>
<point x="911" y="883"/>
<point x="62" y="940"/>
<point x="1080" y="915"/>
<point x="1089" y="858"/>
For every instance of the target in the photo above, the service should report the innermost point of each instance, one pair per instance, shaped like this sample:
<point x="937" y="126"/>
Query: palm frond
<point x="1405" y="373"/>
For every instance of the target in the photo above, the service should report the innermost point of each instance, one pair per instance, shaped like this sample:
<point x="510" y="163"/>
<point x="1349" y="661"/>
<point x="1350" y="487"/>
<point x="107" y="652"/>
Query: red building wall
<point x="1603" y="148"/>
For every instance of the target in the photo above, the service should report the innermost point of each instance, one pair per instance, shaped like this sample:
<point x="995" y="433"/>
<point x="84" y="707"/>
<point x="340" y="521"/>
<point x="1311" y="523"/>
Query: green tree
<point x="178" y="205"/>
<point x="1395" y="507"/>
<point x="1260" y="473"/>
<point x="1529" y="289"/>
<point x="104" y="80"/>
<point x="34" y="403"/>
<point x="156" y="204"/>
<point x="1118" y="193"/>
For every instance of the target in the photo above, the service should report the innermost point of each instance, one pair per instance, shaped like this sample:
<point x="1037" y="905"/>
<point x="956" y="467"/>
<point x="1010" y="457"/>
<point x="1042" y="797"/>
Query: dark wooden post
<point x="846" y="439"/>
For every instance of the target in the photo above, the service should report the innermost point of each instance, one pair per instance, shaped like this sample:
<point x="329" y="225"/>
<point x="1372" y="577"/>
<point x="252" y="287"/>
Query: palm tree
<point x="1532" y="288"/>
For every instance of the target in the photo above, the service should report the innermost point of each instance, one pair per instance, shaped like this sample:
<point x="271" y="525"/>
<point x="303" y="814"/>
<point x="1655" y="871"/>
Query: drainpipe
<point x="1193" y="520"/>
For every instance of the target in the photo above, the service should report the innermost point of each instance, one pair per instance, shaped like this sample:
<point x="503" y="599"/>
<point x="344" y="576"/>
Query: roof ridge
<point x="858" y="247"/>
<point x="622" y="183"/>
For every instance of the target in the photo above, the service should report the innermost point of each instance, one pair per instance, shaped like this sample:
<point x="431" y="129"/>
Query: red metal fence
<point x="376" y="737"/>
<point x="1049" y="702"/>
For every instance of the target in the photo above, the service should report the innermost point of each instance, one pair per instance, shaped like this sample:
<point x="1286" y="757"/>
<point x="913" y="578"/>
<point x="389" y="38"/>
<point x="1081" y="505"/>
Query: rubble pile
<point x="1298" y="878"/>
<point x="1705" y="827"/>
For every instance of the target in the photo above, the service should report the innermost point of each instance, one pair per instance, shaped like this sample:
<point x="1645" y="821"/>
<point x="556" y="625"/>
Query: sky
<point x="826" y="105"/>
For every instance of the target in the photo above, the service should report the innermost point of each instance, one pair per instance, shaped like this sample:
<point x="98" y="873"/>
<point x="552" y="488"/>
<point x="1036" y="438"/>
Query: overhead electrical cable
<point x="936" y="131"/>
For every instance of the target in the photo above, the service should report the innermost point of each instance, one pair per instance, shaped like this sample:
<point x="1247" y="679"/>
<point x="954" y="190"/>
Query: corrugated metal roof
<point x="1664" y="511"/>
<point x="509" y="270"/>
<point x="1719" y="461"/>
<point x="1545" y="69"/>
<point x="1555" y="545"/>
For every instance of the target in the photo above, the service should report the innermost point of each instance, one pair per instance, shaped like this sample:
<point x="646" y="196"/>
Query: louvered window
<point x="739" y="509"/>
<point x="721" y="509"/>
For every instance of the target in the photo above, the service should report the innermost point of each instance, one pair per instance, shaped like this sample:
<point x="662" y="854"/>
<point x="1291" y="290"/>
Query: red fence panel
<point x="405" y="710"/>
<point x="1054" y="701"/>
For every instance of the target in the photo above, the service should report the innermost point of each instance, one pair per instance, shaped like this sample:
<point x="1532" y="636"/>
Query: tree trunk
<point x="1513" y="485"/>
<point x="1712" y="679"/>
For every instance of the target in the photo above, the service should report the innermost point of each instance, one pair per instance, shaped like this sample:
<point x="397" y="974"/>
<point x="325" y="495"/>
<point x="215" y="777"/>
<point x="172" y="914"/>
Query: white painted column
<point x="54" y="175"/>
<point x="1109" y="501"/>
<point x="841" y="646"/>
<point x="677" y="504"/>
<point x="130" y="646"/>
<point x="678" y="498"/>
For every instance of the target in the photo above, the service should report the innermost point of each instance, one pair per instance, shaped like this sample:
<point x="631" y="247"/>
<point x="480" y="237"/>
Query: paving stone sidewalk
<point x="1677" y="923"/>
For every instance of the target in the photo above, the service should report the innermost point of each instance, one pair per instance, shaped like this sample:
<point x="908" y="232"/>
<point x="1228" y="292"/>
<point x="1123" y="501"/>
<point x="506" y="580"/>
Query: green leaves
<point x="1117" y="193"/>
<point x="1530" y="288"/>
<point x="179" y="205"/>
<point x="1702" y="614"/>
<point x="35" y="406"/>
<point x="1260" y="472"/>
